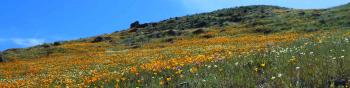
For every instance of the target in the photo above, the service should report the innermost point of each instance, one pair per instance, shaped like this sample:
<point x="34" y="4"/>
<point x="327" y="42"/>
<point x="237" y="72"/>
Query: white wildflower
<point x="273" y="77"/>
<point x="236" y="63"/>
<point x="209" y="66"/>
<point x="279" y="75"/>
<point x="311" y="53"/>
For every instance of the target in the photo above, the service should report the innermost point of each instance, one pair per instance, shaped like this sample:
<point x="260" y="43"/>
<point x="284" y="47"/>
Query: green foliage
<point x="2" y="59"/>
<point x="57" y="43"/>
<point x="135" y="24"/>
<point x="311" y="29"/>
<point x="265" y="29"/>
<point x="198" y="31"/>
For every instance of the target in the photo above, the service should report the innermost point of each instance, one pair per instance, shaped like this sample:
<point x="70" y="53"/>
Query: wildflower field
<point x="316" y="60"/>
<point x="288" y="59"/>
<point x="243" y="47"/>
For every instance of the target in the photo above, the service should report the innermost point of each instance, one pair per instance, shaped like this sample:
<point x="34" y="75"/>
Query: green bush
<point x="265" y="29"/>
<point x="311" y="29"/>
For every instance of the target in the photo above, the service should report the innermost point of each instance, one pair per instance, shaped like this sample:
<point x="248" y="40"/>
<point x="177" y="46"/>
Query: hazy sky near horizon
<point x="25" y="23"/>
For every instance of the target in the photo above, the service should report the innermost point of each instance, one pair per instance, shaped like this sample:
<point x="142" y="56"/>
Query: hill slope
<point x="261" y="41"/>
<point x="256" y="19"/>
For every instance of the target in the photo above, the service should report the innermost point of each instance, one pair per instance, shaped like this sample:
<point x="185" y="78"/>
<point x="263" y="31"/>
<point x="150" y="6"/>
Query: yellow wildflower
<point x="168" y="67"/>
<point x="179" y="72"/>
<point x="123" y="78"/>
<point x="263" y="65"/>
<point x="221" y="69"/>
<point x="161" y="82"/>
<point x="193" y="70"/>
<point x="168" y="79"/>
<point x="293" y="60"/>
<point x="181" y="76"/>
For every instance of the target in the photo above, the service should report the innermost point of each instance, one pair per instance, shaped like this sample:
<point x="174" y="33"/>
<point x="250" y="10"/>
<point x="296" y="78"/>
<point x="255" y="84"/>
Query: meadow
<point x="286" y="59"/>
<point x="318" y="61"/>
<point x="245" y="47"/>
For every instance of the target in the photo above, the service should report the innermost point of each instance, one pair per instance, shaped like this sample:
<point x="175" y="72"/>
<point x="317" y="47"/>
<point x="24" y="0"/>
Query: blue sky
<point x="25" y="23"/>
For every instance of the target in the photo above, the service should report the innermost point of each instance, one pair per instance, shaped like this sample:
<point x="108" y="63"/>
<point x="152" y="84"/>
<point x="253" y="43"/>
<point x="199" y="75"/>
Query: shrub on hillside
<point x="311" y="29"/>
<point x="264" y="29"/>
<point x="1" y="57"/>
<point x="57" y="43"/>
<point x="173" y="33"/>
<point x="155" y="35"/>
<point x="200" y="24"/>
<point x="135" y="24"/>
<point x="169" y="40"/>
<point x="208" y="36"/>
<point x="45" y="45"/>
<point x="198" y="31"/>
<point x="101" y="39"/>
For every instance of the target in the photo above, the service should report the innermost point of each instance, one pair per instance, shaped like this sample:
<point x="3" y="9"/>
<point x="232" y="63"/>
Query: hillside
<point x="255" y="44"/>
<point x="255" y="19"/>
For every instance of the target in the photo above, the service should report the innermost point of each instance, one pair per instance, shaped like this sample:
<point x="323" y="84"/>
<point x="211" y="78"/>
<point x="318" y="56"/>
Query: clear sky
<point x="25" y="23"/>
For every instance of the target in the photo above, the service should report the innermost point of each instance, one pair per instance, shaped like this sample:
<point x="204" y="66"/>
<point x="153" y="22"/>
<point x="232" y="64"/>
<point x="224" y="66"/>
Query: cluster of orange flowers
<point x="158" y="66"/>
<point x="215" y="49"/>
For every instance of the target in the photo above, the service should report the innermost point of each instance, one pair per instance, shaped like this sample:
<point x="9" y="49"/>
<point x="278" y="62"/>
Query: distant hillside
<point x="253" y="19"/>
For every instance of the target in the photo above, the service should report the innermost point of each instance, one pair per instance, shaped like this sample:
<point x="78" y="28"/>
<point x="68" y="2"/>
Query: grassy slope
<point x="234" y="45"/>
<point x="256" y="19"/>
<point x="320" y="60"/>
